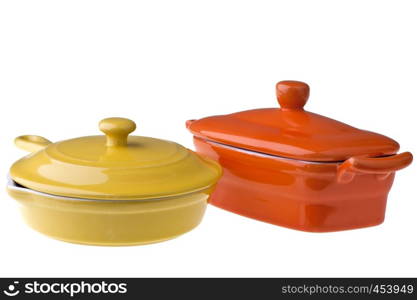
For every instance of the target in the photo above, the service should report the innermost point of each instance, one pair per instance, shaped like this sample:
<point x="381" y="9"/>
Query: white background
<point x="64" y="65"/>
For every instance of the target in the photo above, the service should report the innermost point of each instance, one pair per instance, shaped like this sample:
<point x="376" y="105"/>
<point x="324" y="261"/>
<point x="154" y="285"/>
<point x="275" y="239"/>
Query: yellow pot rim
<point x="13" y="185"/>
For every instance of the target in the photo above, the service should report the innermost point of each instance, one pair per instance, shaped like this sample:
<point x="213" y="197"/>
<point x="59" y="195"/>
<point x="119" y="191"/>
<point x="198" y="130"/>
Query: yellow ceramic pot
<point x="111" y="190"/>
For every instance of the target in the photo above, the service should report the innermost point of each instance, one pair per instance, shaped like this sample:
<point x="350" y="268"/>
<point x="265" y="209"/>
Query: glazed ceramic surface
<point x="297" y="169"/>
<point x="108" y="222"/>
<point x="113" y="189"/>
<point x="111" y="166"/>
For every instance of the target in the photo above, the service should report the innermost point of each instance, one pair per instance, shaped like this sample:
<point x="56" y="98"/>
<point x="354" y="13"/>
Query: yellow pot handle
<point x="31" y="143"/>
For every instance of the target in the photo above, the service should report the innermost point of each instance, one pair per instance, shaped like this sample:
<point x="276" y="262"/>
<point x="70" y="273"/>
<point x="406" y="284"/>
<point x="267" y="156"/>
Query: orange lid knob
<point x="292" y="94"/>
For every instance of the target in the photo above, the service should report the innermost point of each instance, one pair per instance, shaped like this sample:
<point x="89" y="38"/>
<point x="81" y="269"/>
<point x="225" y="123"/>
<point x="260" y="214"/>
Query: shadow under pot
<point x="111" y="190"/>
<point x="297" y="169"/>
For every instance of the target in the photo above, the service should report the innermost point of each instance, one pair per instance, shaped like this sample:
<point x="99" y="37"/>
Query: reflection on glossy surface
<point x="114" y="166"/>
<point x="296" y="194"/>
<point x="294" y="168"/>
<point x="64" y="174"/>
<point x="112" y="190"/>
<point x="111" y="223"/>
<point x="290" y="131"/>
<point x="31" y="143"/>
<point x="381" y="167"/>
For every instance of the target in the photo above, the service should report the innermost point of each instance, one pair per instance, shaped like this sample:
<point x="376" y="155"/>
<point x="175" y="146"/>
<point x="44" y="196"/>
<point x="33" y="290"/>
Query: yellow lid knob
<point x="116" y="130"/>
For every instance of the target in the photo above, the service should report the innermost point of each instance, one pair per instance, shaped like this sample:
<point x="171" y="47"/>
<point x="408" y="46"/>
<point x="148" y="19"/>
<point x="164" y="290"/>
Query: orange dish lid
<point x="290" y="131"/>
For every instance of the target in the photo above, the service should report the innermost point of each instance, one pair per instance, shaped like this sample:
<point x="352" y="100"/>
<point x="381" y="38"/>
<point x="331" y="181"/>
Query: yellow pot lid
<point x="112" y="166"/>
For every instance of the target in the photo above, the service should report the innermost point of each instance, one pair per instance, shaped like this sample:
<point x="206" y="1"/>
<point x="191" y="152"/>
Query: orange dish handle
<point x="188" y="123"/>
<point x="380" y="166"/>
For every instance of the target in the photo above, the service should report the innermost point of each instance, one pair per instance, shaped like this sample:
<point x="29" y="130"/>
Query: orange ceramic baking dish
<point x="297" y="169"/>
